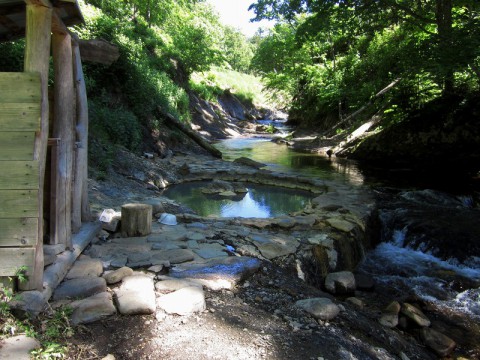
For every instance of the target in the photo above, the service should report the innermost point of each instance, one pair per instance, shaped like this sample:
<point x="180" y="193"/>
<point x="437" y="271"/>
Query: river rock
<point x="220" y="273"/>
<point x="85" y="267"/>
<point x="441" y="344"/>
<point x="117" y="275"/>
<point x="342" y="282"/>
<point x="157" y="205"/>
<point x="415" y="314"/>
<point x="356" y="302"/>
<point x="320" y="308"/>
<point x="80" y="288"/>
<point x="389" y="316"/>
<point x="18" y="347"/>
<point x="185" y="301"/>
<point x="136" y="295"/>
<point x="93" y="308"/>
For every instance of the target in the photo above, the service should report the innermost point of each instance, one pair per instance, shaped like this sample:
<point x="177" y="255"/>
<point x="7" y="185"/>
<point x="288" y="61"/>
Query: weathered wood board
<point x="20" y="87"/>
<point x="11" y="259"/>
<point x="18" y="203"/>
<point x="18" y="175"/>
<point x="17" y="145"/>
<point x="18" y="232"/>
<point x="20" y="116"/>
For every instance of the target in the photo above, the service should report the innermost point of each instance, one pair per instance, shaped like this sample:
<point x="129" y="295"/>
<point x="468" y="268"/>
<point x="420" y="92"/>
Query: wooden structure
<point x="136" y="220"/>
<point x="36" y="204"/>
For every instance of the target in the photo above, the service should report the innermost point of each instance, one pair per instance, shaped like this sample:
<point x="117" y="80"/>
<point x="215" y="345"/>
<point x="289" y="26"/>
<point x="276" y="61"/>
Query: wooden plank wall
<point x="20" y="100"/>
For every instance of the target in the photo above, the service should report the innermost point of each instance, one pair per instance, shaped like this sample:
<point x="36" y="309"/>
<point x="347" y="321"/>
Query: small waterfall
<point x="430" y="249"/>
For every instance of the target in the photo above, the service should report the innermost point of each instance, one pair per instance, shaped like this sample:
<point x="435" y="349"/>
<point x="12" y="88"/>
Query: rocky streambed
<point x="244" y="288"/>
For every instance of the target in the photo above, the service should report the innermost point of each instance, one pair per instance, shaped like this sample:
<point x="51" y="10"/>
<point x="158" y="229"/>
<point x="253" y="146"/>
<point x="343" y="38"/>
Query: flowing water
<point x="406" y="259"/>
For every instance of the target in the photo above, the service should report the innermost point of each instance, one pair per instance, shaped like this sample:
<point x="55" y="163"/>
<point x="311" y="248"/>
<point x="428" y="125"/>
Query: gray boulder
<point x="320" y="308"/>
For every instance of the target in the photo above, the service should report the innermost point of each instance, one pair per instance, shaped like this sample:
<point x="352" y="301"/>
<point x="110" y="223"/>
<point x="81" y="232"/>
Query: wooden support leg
<point x="37" y="55"/>
<point x="63" y="128"/>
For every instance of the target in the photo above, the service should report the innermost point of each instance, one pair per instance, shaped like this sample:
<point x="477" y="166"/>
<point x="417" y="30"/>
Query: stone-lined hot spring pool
<point x="260" y="201"/>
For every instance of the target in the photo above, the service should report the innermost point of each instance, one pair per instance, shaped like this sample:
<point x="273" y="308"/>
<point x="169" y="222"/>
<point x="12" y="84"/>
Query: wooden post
<point x="63" y="128"/>
<point x="80" y="203"/>
<point x="136" y="219"/>
<point x="37" y="54"/>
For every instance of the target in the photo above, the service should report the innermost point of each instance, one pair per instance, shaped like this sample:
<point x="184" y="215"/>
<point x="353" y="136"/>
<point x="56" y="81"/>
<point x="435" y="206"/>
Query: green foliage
<point x="12" y="56"/>
<point x="332" y="57"/>
<point x="118" y="125"/>
<point x="248" y="88"/>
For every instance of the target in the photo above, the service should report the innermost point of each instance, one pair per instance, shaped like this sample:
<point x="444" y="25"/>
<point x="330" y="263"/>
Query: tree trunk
<point x="136" y="219"/>
<point x="444" y="20"/>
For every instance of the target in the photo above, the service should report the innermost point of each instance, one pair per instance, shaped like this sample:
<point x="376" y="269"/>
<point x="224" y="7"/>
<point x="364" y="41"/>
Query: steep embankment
<point x="443" y="135"/>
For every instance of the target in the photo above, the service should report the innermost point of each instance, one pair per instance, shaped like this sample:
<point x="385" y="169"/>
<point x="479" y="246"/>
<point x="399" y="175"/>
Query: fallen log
<point x="193" y="135"/>
<point x="367" y="105"/>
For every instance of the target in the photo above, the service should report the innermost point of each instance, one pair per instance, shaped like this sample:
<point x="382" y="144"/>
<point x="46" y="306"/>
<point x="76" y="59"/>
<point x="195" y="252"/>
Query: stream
<point x="430" y="246"/>
<point x="430" y="228"/>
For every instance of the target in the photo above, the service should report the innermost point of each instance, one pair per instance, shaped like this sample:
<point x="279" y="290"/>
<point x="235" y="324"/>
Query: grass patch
<point x="247" y="88"/>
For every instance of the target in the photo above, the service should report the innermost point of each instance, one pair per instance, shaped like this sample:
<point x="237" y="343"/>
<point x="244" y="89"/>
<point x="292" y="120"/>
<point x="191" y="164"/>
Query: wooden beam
<point x="45" y="3"/>
<point x="63" y="128"/>
<point x="37" y="55"/>
<point x="80" y="203"/>
<point x="58" y="27"/>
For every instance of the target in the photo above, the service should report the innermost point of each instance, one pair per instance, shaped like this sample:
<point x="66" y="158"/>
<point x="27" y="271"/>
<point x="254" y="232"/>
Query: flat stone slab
<point x="185" y="301"/>
<point x="197" y="236"/>
<point x="80" y="288"/>
<point x="18" y="347"/>
<point x="136" y="295"/>
<point x="93" y="308"/>
<point x="85" y="267"/>
<point x="175" y="256"/>
<point x="273" y="246"/>
<point x="210" y="251"/>
<point x="341" y="224"/>
<point x="320" y="308"/>
<point x="217" y="274"/>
